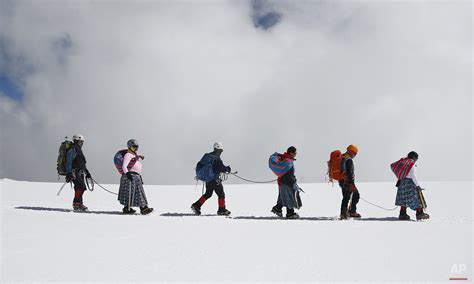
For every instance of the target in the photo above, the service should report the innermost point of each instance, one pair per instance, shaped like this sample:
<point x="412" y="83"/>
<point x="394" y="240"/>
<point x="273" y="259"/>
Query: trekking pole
<point x="129" y="194"/>
<point x="61" y="189"/>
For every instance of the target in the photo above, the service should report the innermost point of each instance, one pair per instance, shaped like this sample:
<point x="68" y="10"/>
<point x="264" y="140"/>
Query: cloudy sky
<point x="258" y="76"/>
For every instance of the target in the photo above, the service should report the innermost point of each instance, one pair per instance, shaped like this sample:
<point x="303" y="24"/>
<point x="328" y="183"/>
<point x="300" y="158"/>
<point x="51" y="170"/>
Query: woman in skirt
<point x="131" y="192"/>
<point x="288" y="190"/>
<point x="409" y="192"/>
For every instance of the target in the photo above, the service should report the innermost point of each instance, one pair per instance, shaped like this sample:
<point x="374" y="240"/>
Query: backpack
<point x="402" y="167"/>
<point x="61" y="163"/>
<point x="204" y="169"/>
<point x="335" y="167"/>
<point x="278" y="166"/>
<point x="118" y="161"/>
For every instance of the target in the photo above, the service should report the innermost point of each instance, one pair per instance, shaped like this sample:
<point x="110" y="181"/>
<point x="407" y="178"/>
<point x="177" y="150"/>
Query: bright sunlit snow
<point x="42" y="240"/>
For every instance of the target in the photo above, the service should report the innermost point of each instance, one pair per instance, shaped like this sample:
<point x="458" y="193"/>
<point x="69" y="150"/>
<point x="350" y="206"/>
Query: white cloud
<point x="179" y="76"/>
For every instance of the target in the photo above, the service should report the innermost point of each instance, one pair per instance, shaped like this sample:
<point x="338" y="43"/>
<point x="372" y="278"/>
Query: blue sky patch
<point x="10" y="89"/>
<point x="267" y="20"/>
<point x="264" y="15"/>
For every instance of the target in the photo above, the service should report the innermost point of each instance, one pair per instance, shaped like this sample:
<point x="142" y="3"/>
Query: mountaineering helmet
<point x="78" y="137"/>
<point x="218" y="146"/>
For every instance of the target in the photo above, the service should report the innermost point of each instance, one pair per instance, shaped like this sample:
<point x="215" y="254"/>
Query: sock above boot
<point x="201" y="201"/>
<point x="221" y="202"/>
<point x="403" y="210"/>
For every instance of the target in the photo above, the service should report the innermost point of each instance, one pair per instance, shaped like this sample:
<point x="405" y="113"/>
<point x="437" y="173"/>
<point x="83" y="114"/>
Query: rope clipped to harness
<point x="223" y="177"/>
<point x="88" y="181"/>
<point x="90" y="184"/>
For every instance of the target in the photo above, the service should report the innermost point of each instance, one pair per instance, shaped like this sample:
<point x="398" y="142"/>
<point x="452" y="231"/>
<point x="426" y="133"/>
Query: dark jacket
<point x="218" y="166"/>
<point x="75" y="159"/>
<point x="288" y="178"/>
<point x="348" y="168"/>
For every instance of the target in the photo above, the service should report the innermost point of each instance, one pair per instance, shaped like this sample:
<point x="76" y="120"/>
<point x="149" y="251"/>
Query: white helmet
<point x="78" y="137"/>
<point x="218" y="146"/>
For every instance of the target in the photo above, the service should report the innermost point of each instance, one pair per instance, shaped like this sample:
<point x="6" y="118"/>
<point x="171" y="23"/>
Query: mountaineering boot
<point x="354" y="215"/>
<point x="223" y="212"/>
<point x="277" y="211"/>
<point x="128" y="210"/>
<point x="422" y="216"/>
<point x="79" y="206"/>
<point x="145" y="210"/>
<point x="404" y="217"/>
<point x="196" y="209"/>
<point x="403" y="214"/>
<point x="292" y="215"/>
<point x="343" y="215"/>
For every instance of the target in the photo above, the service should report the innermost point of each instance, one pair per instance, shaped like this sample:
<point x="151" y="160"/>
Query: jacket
<point x="289" y="177"/>
<point x="218" y="166"/>
<point x="75" y="159"/>
<point x="347" y="168"/>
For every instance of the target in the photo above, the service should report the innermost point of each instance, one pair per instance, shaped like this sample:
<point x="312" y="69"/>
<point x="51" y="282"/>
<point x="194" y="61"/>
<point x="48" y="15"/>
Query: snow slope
<point x="43" y="241"/>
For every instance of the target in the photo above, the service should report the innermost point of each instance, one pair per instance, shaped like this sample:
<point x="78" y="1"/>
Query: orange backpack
<point x="334" y="166"/>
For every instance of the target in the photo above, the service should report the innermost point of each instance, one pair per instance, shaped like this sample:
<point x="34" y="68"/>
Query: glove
<point x="352" y="187"/>
<point x="142" y="157"/>
<point x="129" y="176"/>
<point x="88" y="175"/>
<point x="69" y="177"/>
<point x="229" y="169"/>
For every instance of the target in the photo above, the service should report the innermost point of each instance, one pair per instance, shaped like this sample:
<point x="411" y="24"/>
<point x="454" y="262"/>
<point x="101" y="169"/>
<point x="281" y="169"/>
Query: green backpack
<point x="61" y="164"/>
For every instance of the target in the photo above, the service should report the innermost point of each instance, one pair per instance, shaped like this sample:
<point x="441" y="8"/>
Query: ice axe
<point x="61" y="189"/>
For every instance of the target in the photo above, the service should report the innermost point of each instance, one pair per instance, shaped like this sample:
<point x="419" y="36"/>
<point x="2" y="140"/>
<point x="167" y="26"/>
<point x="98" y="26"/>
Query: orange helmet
<point x="353" y="149"/>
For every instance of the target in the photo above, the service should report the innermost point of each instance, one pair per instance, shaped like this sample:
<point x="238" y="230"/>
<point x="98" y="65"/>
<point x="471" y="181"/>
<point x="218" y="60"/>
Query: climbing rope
<point x="88" y="181"/>
<point x="251" y="181"/>
<point x="90" y="184"/>
<point x="104" y="188"/>
<point x="386" y="209"/>
<point x="270" y="181"/>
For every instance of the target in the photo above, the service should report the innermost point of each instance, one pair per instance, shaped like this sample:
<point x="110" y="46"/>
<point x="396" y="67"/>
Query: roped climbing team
<point x="210" y="170"/>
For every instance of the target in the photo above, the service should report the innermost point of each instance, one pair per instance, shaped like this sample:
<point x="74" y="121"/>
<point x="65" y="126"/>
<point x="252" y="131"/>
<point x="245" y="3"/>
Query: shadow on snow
<point x="37" y="208"/>
<point x="186" y="215"/>
<point x="267" y="218"/>
<point x="264" y="218"/>
<point x="283" y="218"/>
<point x="386" y="219"/>
<point x="382" y="219"/>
